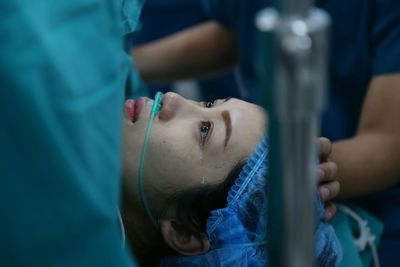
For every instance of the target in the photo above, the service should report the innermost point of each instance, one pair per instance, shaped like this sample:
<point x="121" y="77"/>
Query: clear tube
<point x="156" y="107"/>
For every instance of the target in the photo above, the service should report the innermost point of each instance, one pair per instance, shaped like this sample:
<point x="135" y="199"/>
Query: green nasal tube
<point x="157" y="105"/>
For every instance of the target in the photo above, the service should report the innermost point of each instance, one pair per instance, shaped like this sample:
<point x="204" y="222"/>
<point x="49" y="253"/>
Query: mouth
<point x="133" y="108"/>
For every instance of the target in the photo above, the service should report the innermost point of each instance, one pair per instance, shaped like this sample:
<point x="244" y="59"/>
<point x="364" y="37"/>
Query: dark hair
<point x="191" y="207"/>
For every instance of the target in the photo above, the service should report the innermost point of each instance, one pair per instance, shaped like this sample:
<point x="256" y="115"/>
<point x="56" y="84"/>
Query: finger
<point x="329" y="191"/>
<point x="324" y="148"/>
<point x="330" y="211"/>
<point x="327" y="171"/>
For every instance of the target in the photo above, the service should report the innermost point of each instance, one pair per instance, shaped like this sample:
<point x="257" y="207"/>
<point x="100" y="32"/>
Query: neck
<point x="145" y="240"/>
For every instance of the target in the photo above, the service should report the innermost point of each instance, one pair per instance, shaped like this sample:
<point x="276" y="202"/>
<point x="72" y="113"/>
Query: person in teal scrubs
<point x="63" y="71"/>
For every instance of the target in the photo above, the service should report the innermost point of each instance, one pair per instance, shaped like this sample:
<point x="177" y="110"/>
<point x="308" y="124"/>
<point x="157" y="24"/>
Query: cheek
<point x="172" y="146"/>
<point x="172" y="161"/>
<point x="216" y="173"/>
<point x="175" y="167"/>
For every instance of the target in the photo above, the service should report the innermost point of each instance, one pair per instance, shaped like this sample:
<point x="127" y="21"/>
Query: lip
<point x="133" y="108"/>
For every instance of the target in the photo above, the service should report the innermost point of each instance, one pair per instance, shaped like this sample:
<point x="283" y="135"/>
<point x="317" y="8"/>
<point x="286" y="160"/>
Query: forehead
<point x="248" y="118"/>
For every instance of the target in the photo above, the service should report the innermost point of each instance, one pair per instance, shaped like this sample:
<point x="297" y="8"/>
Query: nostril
<point x="169" y="105"/>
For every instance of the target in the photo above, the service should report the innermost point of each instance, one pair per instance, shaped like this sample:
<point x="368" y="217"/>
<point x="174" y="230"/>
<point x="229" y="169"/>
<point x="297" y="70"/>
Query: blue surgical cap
<point x="238" y="232"/>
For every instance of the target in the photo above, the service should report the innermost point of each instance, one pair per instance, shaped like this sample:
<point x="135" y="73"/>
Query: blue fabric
<point x="364" y="42"/>
<point x="238" y="233"/>
<point x="239" y="15"/>
<point x="62" y="74"/>
<point x="130" y="13"/>
<point x="175" y="15"/>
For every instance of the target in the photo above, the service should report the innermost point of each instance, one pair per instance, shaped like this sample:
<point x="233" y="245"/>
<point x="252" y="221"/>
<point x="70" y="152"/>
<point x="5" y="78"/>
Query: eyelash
<point x="205" y="129"/>
<point x="209" y="104"/>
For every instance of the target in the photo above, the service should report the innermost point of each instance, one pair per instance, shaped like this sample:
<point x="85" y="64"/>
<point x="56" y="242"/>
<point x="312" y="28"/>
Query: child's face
<point x="191" y="144"/>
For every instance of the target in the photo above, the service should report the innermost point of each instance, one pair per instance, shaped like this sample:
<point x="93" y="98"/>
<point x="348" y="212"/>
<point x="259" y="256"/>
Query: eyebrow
<point x="227" y="99"/>
<point x="228" y="126"/>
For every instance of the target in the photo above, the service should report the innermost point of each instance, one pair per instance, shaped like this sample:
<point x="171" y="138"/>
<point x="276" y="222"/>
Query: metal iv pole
<point x="293" y="42"/>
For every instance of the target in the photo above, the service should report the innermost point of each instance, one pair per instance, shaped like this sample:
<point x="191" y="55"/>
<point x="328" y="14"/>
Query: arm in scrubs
<point x="63" y="70"/>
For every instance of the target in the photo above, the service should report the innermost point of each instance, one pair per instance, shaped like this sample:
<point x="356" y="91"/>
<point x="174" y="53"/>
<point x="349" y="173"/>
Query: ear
<point x="181" y="240"/>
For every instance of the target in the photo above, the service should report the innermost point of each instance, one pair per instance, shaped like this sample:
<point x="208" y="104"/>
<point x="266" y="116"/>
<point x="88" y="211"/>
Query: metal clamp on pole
<point x="293" y="44"/>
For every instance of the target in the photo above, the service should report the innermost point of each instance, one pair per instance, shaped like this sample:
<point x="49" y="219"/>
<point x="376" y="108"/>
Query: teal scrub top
<point x="63" y="71"/>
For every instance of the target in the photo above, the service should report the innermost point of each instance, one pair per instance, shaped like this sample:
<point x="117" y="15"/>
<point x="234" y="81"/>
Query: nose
<point x="173" y="105"/>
